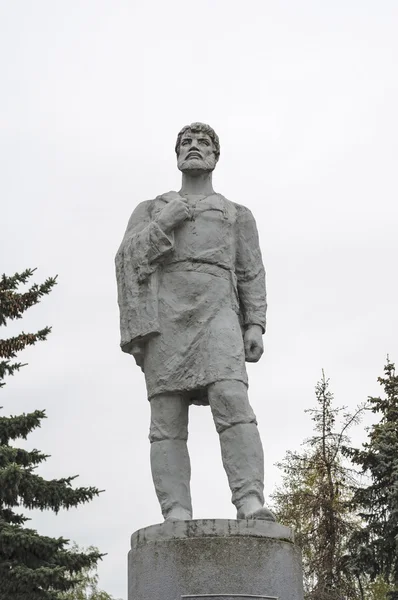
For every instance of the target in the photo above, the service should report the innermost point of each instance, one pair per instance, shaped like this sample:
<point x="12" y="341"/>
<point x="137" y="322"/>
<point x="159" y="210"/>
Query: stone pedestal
<point x="214" y="560"/>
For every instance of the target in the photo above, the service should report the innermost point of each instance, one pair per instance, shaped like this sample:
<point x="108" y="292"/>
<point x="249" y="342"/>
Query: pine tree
<point x="32" y="566"/>
<point x="374" y="547"/>
<point x="313" y="500"/>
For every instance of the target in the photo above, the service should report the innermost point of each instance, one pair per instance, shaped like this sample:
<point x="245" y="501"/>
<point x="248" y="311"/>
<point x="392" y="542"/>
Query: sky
<point x="304" y="97"/>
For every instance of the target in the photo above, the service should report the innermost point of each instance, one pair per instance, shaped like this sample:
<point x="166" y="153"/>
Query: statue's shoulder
<point x="240" y="210"/>
<point x="149" y="205"/>
<point x="168" y="196"/>
<point x="146" y="206"/>
<point x="145" y="209"/>
<point x="140" y="212"/>
<point x="238" y="207"/>
<point x="143" y="206"/>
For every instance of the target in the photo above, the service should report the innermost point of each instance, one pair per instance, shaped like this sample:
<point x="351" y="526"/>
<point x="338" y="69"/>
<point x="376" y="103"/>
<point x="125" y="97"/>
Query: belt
<point x="199" y="267"/>
<point x="210" y="269"/>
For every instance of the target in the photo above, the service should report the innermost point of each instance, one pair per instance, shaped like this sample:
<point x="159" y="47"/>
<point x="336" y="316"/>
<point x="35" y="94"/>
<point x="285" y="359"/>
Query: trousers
<point x="241" y="448"/>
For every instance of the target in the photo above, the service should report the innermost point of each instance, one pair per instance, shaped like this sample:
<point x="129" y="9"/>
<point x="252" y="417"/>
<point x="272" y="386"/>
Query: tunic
<point x="202" y="285"/>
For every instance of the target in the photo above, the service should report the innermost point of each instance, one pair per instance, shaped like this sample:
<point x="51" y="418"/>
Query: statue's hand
<point x="175" y="212"/>
<point x="253" y="340"/>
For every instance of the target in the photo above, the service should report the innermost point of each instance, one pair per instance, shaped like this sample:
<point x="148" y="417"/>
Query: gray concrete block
<point x="214" y="559"/>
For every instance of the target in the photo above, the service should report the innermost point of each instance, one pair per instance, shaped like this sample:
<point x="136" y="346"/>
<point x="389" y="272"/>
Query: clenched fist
<point x="253" y="340"/>
<point x="175" y="212"/>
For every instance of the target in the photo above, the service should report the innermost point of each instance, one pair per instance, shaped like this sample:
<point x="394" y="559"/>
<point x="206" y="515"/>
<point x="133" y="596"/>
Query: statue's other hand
<point x="175" y="212"/>
<point x="253" y="340"/>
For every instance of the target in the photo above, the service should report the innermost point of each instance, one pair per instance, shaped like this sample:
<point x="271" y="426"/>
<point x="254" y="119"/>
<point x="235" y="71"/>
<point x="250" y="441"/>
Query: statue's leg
<point x="171" y="469"/>
<point x="241" y="448"/>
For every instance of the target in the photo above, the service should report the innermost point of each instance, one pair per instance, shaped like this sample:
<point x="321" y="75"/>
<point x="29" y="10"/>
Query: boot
<point x="243" y="460"/>
<point x="171" y="473"/>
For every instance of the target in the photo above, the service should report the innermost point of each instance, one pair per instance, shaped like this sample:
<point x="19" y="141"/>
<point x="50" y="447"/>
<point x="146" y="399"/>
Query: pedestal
<point x="214" y="559"/>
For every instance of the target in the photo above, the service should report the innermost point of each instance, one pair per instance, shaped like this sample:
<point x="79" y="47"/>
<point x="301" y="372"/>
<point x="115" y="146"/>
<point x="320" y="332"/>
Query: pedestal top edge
<point x="202" y="528"/>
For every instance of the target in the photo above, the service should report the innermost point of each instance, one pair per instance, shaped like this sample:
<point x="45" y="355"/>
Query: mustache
<point x="208" y="163"/>
<point x="194" y="154"/>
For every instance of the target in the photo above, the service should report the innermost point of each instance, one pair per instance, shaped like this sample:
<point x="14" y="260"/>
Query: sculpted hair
<point x="195" y="127"/>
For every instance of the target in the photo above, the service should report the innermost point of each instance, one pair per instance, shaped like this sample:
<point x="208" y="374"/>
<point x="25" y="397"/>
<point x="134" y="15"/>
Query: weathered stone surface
<point x="214" y="559"/>
<point x="192" y="298"/>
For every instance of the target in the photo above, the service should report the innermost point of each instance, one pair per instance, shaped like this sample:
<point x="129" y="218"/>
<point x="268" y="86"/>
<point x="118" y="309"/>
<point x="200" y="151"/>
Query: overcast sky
<point x="304" y="97"/>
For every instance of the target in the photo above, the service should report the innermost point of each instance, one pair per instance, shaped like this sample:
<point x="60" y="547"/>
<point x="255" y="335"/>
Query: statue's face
<point x="196" y="153"/>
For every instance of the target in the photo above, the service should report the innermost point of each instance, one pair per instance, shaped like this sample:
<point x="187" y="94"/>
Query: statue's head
<point x="197" y="148"/>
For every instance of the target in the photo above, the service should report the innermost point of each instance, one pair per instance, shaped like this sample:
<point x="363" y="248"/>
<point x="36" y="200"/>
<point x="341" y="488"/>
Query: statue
<point x="191" y="292"/>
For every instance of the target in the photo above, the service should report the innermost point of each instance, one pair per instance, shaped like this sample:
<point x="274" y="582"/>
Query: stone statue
<point x="191" y="292"/>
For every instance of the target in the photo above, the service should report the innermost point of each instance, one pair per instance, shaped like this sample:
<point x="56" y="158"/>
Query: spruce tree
<point x="313" y="500"/>
<point x="374" y="547"/>
<point x="32" y="566"/>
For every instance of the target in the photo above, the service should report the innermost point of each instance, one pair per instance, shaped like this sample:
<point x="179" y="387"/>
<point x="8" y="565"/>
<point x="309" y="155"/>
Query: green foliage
<point x="313" y="500"/>
<point x="31" y="566"/>
<point x="87" y="588"/>
<point x="12" y="306"/>
<point x="378" y="589"/>
<point x="374" y="548"/>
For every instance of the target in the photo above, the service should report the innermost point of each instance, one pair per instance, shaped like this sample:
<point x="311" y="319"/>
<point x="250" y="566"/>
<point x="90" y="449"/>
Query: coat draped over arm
<point x="143" y="246"/>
